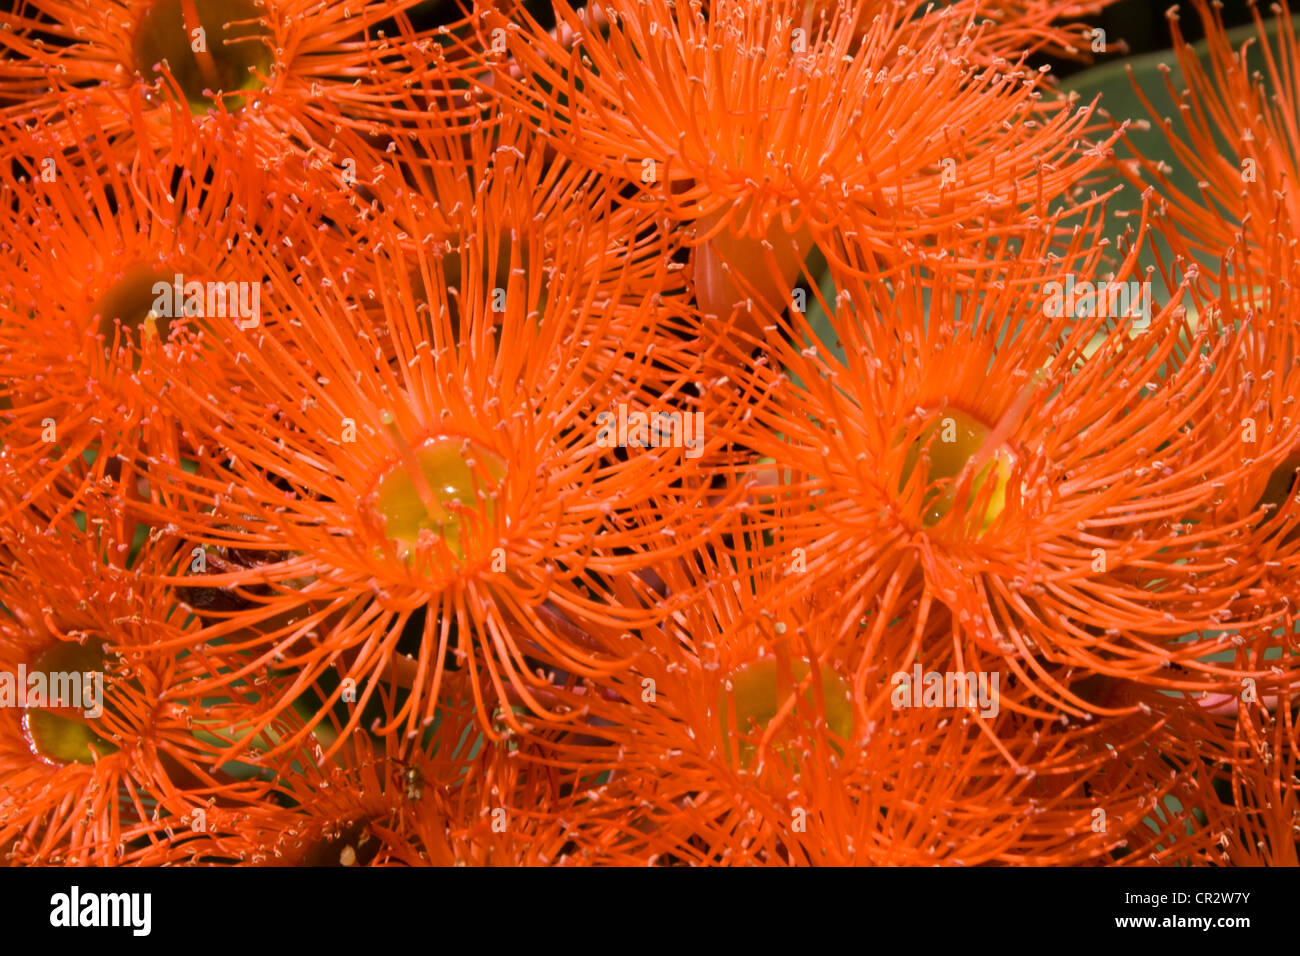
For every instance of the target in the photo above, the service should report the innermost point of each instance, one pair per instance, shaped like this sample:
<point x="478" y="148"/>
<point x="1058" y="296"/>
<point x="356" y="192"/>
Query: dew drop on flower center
<point x="438" y="488"/>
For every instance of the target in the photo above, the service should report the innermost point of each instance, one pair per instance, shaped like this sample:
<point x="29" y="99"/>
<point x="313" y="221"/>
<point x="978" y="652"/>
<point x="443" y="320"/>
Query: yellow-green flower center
<point x="949" y="442"/>
<point x="130" y="302"/>
<point x="218" y="46"/>
<point x="447" y="487"/>
<point x="63" y="734"/>
<point x="759" y="691"/>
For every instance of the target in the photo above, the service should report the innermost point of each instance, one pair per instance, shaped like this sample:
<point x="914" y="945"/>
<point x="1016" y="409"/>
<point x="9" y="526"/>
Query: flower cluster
<point x="648" y="432"/>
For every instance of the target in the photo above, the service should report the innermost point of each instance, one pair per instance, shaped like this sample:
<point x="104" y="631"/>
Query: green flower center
<point x="63" y="734"/>
<point x="951" y="440"/>
<point x="215" y="45"/>
<point x="449" y="488"/>
<point x="759" y="691"/>
<point x="130" y="302"/>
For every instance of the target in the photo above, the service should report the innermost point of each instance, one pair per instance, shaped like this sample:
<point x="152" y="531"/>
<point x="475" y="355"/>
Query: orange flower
<point x="100" y="781"/>
<point x="1246" y="198"/>
<point x="441" y="797"/>
<point x="763" y="140"/>
<point x="93" y="328"/>
<point x="1255" y="556"/>
<point x="1002" y="472"/>
<point x="441" y="462"/>
<point x="736" y="737"/>
<point x="289" y="84"/>
<point x="359" y="807"/>
<point x="1242" y="225"/>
